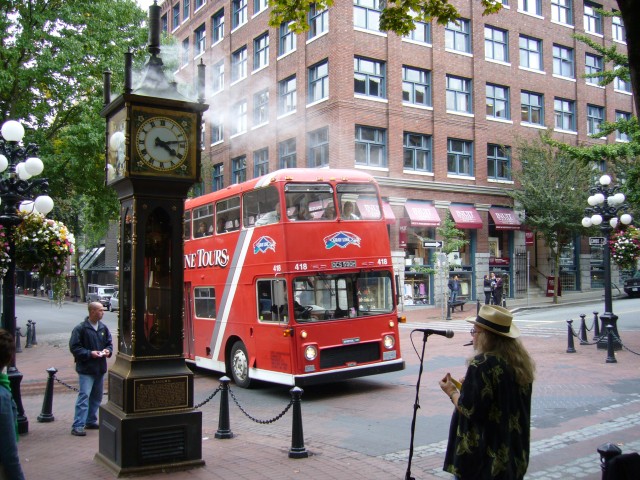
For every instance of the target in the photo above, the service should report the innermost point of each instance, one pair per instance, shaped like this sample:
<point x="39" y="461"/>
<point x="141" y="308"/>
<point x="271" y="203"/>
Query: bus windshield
<point x="346" y="295"/>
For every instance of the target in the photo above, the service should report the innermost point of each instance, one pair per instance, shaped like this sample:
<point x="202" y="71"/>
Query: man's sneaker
<point x="78" y="432"/>
<point x="92" y="426"/>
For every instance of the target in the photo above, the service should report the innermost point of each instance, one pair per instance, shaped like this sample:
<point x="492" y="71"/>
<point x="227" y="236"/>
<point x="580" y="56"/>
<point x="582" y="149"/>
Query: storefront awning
<point x="388" y="213"/>
<point x="90" y="258"/>
<point x="422" y="214"/>
<point x="368" y="208"/>
<point x="505" y="219"/>
<point x="465" y="216"/>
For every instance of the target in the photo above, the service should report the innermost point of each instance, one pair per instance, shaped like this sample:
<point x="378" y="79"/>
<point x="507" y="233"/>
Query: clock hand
<point x="165" y="145"/>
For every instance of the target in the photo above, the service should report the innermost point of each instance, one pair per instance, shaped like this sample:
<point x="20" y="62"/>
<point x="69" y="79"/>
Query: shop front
<point x="502" y="225"/>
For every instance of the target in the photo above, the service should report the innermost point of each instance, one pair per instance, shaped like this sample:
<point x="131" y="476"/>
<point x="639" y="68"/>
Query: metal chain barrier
<point x="615" y="337"/>
<point x="209" y="398"/>
<point x="70" y="387"/>
<point x="263" y="422"/>
<point x="583" y="342"/>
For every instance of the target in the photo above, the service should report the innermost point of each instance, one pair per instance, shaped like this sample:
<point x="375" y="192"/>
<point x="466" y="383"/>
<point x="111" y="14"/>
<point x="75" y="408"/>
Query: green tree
<point x="452" y="238"/>
<point x="553" y="194"/>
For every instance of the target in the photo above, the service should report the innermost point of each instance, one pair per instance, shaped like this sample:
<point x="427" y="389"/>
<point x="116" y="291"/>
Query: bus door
<point x="273" y="348"/>
<point x="188" y="347"/>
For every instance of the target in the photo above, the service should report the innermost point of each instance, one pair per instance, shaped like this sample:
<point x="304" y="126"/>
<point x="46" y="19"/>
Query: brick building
<point x="434" y="116"/>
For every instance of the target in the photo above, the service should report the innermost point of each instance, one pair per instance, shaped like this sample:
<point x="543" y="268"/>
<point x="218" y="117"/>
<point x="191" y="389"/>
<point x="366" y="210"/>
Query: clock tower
<point x="153" y="146"/>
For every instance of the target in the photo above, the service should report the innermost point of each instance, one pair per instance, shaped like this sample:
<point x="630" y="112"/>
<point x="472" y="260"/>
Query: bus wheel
<point x="239" y="362"/>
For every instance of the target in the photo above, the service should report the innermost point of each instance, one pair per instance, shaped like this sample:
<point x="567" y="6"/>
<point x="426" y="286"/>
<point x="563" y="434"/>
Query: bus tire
<point x="239" y="365"/>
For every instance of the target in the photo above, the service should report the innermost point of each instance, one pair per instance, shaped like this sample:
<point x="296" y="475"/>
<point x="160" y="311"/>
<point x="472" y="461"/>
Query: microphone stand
<point x="416" y="406"/>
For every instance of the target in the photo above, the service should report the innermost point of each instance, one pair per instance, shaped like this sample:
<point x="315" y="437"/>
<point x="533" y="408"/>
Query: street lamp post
<point x="606" y="202"/>
<point x="17" y="165"/>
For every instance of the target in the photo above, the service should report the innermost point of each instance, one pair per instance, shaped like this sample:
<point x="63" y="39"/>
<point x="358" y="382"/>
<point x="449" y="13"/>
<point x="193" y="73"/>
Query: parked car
<point x="100" y="293"/>
<point x="632" y="285"/>
<point x="114" y="302"/>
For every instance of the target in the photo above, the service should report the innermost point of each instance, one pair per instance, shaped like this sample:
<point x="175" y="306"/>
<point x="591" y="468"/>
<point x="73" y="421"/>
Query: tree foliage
<point x="453" y="239"/>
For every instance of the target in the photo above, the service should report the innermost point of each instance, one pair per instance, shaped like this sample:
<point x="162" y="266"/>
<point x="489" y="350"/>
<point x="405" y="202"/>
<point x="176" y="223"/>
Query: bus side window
<point x="203" y="221"/>
<point x="186" y="232"/>
<point x="272" y="300"/>
<point x="228" y="215"/>
<point x="205" y="302"/>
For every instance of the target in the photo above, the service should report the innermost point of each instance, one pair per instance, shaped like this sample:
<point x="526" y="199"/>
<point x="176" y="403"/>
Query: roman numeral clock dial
<point x="162" y="143"/>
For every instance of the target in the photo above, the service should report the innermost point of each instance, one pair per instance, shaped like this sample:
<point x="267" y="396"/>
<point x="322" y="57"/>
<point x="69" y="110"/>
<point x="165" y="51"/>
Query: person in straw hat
<point x="489" y="432"/>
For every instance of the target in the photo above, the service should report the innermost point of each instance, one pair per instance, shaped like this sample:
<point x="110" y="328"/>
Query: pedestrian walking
<point x="487" y="290"/>
<point x="489" y="435"/>
<point x="10" y="467"/>
<point x="90" y="345"/>
<point x="497" y="291"/>
<point x="454" y="288"/>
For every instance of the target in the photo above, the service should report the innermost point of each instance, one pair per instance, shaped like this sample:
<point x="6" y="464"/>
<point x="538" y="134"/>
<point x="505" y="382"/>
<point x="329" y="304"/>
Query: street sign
<point x="596" y="241"/>
<point x="432" y="244"/>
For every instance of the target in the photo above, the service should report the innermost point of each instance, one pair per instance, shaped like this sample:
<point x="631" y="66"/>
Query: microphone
<point x="429" y="331"/>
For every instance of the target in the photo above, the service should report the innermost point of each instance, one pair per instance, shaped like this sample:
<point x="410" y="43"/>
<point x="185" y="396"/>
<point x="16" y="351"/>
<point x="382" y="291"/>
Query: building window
<point x="562" y="11"/>
<point x="239" y="64"/>
<point x="530" y="53"/>
<point x="366" y="14"/>
<point x="287" y="95"/>
<point x="217" y="182"/>
<point x="217" y="76"/>
<point x="318" y="145"/>
<point x="239" y="169"/>
<point x="319" y="81"/>
<point x="498" y="162"/>
<point x="261" y="51"/>
<point x="459" y="157"/>
<point x="532" y="7"/>
<point x="287" y="39"/>
<point x="416" y="86"/>
<point x="624" y="137"/>
<point x="260" y="162"/>
<point x="592" y="18"/>
<point x="238" y="13"/>
<point x="185" y="8"/>
<point x="420" y="34"/>
<point x="369" y="77"/>
<point x="595" y="117"/>
<point x="457" y="35"/>
<point x="371" y="146"/>
<point x="185" y="52"/>
<point x="200" y="3"/>
<point x="496" y="44"/>
<point x="261" y="107"/>
<point x="318" y="21"/>
<point x="287" y="153"/>
<point x="563" y="61"/>
<point x="417" y="152"/>
<point x="217" y="26"/>
<point x="217" y="129"/>
<point x="259" y="5"/>
<point x="593" y="65"/>
<point x="622" y="84"/>
<point x="498" y="102"/>
<point x="565" y="114"/>
<point x="459" y="94"/>
<point x="618" y="32"/>
<point x="532" y="108"/>
<point x="176" y="15"/>
<point x="239" y="118"/>
<point x="164" y="24"/>
<point x="201" y="39"/>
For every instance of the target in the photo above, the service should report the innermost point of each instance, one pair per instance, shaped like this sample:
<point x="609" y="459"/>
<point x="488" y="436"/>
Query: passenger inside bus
<point x="202" y="230"/>
<point x="270" y="217"/>
<point x="348" y="213"/>
<point x="222" y="225"/>
<point x="303" y="213"/>
<point x="329" y="212"/>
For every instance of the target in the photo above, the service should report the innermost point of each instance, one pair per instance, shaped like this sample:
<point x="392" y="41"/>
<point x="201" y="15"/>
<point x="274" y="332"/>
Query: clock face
<point x="162" y="143"/>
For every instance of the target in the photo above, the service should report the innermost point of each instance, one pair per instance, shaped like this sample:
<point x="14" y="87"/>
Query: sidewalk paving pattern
<point x="593" y="403"/>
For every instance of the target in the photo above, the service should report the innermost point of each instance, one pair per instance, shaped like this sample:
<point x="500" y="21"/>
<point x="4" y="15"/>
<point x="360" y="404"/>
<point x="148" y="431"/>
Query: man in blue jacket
<point x="90" y="345"/>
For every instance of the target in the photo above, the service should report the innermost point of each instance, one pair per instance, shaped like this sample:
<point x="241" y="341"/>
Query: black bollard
<point x="46" y="415"/>
<point x="448" y="311"/>
<point x="29" y="327"/>
<point x="18" y="346"/>
<point x="611" y="356"/>
<point x="570" y="347"/>
<point x="607" y="451"/>
<point x="504" y="303"/>
<point x="583" y="330"/>
<point x="297" y="449"/>
<point x="477" y="307"/>
<point x="33" y="333"/>
<point x="596" y="327"/>
<point x="224" y="427"/>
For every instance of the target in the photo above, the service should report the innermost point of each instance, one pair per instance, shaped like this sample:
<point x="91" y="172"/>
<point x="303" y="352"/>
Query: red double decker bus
<point x="288" y="279"/>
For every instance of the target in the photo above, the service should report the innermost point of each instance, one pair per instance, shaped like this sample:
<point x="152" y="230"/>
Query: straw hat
<point x="496" y="319"/>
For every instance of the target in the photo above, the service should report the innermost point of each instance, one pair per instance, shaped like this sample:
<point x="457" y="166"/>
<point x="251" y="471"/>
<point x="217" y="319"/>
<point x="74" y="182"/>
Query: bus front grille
<point x="349" y="354"/>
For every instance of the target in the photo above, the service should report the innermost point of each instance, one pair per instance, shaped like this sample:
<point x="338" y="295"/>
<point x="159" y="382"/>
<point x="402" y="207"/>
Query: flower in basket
<point x="43" y="245"/>
<point x="4" y="252"/>
<point x="625" y="247"/>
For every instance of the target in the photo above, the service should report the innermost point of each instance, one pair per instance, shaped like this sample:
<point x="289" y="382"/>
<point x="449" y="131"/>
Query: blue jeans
<point x="452" y="297"/>
<point x="89" y="399"/>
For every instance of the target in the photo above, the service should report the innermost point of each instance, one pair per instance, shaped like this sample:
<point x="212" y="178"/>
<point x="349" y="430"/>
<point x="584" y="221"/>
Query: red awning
<point x="422" y="214"/>
<point x="465" y="216"/>
<point x="388" y="213"/>
<point x="368" y="208"/>
<point x="505" y="219"/>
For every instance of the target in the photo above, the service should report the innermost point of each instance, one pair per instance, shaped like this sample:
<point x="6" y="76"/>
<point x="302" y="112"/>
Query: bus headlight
<point x="310" y="352"/>
<point x="389" y="342"/>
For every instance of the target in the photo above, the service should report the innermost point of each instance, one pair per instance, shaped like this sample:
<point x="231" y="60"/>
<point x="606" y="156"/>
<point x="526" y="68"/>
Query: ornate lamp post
<point x="17" y="165"/>
<point x="606" y="202"/>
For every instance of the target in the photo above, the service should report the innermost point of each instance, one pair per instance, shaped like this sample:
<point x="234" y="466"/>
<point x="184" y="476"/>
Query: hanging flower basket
<point x="625" y="247"/>
<point x="41" y="245"/>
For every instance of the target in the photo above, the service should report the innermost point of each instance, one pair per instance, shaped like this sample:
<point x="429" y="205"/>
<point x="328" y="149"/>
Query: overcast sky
<point x="145" y="4"/>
